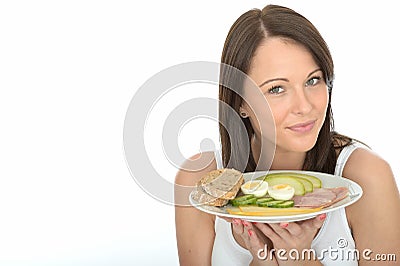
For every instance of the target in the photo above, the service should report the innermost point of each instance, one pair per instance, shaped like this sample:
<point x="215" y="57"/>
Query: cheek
<point x="261" y="117"/>
<point x="279" y="113"/>
<point x="321" y="100"/>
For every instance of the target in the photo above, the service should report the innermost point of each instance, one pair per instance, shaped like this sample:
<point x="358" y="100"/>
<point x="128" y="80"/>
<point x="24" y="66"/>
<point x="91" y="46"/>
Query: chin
<point x="301" y="145"/>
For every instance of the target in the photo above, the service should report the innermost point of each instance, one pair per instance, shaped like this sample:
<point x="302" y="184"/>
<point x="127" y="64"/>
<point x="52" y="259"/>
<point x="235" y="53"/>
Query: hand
<point x="289" y="236"/>
<point x="255" y="242"/>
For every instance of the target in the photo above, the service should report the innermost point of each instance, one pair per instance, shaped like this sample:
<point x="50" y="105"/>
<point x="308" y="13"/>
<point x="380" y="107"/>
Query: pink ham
<point x="341" y="193"/>
<point x="321" y="197"/>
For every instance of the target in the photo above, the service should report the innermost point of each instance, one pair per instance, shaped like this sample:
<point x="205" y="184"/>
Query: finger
<point x="293" y="228"/>
<point x="257" y="246"/>
<point x="282" y="232"/>
<point x="315" y="223"/>
<point x="268" y="231"/>
<point x="237" y="226"/>
<point x="253" y="240"/>
<point x="247" y="231"/>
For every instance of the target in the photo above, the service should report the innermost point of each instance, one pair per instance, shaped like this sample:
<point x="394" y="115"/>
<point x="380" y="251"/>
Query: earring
<point x="244" y="114"/>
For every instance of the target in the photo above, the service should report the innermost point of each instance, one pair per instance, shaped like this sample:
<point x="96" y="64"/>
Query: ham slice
<point x="321" y="197"/>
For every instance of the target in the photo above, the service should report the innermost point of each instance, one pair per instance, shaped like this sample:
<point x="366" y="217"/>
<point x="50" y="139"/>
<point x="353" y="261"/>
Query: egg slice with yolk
<point x="281" y="192"/>
<point x="258" y="188"/>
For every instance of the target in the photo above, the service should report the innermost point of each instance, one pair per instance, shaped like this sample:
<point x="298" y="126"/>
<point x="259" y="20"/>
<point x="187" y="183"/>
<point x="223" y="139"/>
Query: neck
<point x="281" y="160"/>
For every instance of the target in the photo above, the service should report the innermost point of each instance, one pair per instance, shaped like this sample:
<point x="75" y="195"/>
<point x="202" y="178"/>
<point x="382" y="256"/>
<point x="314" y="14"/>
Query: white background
<point x="68" y="70"/>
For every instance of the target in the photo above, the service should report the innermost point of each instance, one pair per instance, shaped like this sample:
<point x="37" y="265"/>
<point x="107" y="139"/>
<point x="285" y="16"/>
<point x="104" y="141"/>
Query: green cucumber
<point x="244" y="200"/>
<point x="285" y="204"/>
<point x="251" y="201"/>
<point x="263" y="200"/>
<point x="271" y="203"/>
<point x="244" y="197"/>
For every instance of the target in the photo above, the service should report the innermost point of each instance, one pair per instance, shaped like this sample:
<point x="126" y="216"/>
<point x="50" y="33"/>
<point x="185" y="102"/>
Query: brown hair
<point x="240" y="46"/>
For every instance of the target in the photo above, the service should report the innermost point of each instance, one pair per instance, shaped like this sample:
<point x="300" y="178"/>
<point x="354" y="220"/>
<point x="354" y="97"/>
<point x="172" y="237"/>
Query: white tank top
<point x="327" y="244"/>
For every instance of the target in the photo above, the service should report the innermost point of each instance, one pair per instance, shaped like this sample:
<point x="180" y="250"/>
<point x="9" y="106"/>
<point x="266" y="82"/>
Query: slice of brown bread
<point x="222" y="183"/>
<point x="202" y="197"/>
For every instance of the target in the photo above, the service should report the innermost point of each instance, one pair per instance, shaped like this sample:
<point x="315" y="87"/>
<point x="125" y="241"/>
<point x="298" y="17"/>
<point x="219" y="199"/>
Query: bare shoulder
<point x="195" y="167"/>
<point x="194" y="229"/>
<point x="367" y="168"/>
<point x="377" y="214"/>
<point x="376" y="178"/>
<point x="191" y="171"/>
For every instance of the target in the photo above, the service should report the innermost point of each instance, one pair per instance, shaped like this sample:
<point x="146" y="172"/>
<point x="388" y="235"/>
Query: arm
<point x="194" y="229"/>
<point x="375" y="218"/>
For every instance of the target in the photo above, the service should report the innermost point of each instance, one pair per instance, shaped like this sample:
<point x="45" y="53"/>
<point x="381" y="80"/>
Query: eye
<point x="312" y="81"/>
<point x="275" y="90"/>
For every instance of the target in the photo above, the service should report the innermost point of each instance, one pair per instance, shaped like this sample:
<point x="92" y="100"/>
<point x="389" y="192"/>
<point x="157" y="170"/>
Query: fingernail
<point x="254" y="223"/>
<point x="250" y="232"/>
<point x="245" y="223"/>
<point x="284" y="225"/>
<point x="322" y="216"/>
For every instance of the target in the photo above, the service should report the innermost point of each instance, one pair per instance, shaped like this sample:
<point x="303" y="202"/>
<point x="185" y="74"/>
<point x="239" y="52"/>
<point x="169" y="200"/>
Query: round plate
<point x="328" y="181"/>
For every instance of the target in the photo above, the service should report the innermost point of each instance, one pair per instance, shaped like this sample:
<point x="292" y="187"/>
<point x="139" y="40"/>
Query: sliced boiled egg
<point x="281" y="192"/>
<point x="258" y="188"/>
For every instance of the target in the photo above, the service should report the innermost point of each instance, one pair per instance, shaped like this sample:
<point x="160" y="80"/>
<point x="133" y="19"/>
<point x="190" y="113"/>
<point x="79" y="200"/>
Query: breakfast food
<point x="316" y="182"/>
<point x="258" y="188"/>
<point x="281" y="192"/>
<point x="222" y="183"/>
<point x="321" y="197"/>
<point x="202" y="197"/>
<point x="287" y="190"/>
<point x="272" y="194"/>
<point x="217" y="187"/>
<point x="298" y="185"/>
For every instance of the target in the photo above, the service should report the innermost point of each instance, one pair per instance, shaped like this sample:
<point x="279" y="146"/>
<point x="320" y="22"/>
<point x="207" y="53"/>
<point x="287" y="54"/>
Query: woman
<point x="284" y="54"/>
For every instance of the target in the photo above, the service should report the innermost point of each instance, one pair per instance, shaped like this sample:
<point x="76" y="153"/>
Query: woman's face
<point x="294" y="87"/>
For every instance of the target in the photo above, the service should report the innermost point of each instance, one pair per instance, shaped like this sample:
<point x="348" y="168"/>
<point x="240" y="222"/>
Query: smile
<point x="303" y="127"/>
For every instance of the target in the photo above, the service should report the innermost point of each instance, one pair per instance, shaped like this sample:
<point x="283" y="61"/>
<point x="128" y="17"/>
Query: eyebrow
<point x="284" y="79"/>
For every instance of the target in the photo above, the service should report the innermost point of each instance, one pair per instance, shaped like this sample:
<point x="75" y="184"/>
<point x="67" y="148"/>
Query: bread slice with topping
<point x="222" y="183"/>
<point x="202" y="197"/>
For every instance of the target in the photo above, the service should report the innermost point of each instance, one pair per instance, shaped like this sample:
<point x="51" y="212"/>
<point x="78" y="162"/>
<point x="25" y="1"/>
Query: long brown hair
<point x="244" y="37"/>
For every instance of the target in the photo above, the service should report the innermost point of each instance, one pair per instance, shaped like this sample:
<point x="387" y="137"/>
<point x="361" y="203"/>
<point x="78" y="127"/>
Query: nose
<point x="301" y="102"/>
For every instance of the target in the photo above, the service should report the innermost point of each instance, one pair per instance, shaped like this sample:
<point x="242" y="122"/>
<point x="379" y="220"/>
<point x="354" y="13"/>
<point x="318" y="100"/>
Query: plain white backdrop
<point x="68" y="70"/>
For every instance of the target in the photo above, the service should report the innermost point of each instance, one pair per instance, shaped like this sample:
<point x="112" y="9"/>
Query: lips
<point x="303" y="127"/>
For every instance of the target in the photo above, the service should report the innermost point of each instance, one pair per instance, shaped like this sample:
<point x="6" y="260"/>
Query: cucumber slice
<point x="285" y="204"/>
<point x="244" y="197"/>
<point x="244" y="200"/>
<point x="262" y="200"/>
<point x="298" y="186"/>
<point x="251" y="201"/>
<point x="271" y="203"/>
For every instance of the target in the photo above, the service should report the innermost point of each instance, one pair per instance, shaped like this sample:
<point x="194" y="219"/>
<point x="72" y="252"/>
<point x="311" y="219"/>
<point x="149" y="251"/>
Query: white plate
<point x="328" y="181"/>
